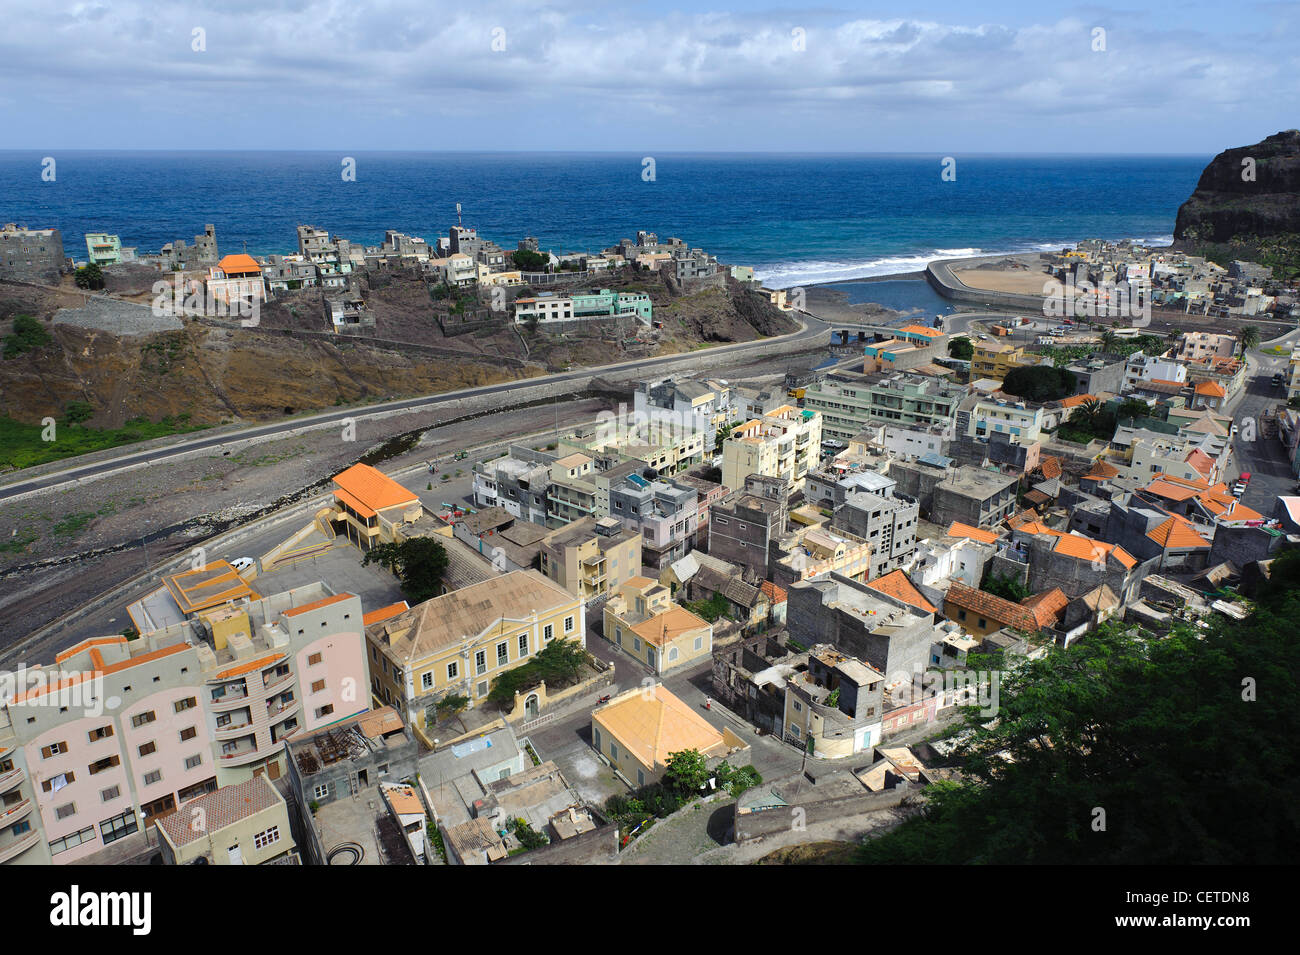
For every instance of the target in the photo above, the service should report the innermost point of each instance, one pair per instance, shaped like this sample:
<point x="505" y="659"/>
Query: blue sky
<point x="639" y="76"/>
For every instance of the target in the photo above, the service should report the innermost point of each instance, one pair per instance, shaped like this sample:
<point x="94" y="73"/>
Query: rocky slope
<point x="1231" y="215"/>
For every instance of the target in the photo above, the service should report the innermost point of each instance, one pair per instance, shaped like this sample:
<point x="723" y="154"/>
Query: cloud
<point x="709" y="79"/>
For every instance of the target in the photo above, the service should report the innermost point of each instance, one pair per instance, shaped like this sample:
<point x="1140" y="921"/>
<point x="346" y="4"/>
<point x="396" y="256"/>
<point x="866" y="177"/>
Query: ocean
<point x="797" y="219"/>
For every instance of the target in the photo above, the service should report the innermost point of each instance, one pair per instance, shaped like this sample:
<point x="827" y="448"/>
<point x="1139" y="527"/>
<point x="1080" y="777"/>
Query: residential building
<point x="995" y="360"/>
<point x="592" y="557"/>
<point x="103" y="249"/>
<point x="744" y="527"/>
<point x="808" y="552"/>
<point x="241" y="824"/>
<point x="886" y="521"/>
<point x="519" y="482"/>
<point x="578" y="307"/>
<point x="1021" y="422"/>
<point x="31" y="255"/>
<point x="458" y="643"/>
<point x="785" y="444"/>
<point x="835" y="707"/>
<point x="642" y="621"/>
<point x="235" y="283"/>
<point x="1195" y="346"/>
<point x="666" y="515"/>
<point x="638" y="731"/>
<point x="206" y="701"/>
<point x="692" y="404"/>
<point x="849" y="403"/>
<point x="981" y="613"/>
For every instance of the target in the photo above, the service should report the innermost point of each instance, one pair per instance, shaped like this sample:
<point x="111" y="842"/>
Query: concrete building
<point x="666" y="515"/>
<point x="458" y="643"/>
<point x="371" y="508"/>
<point x="206" y="701"/>
<point x="548" y="308"/>
<point x="1194" y="346"/>
<point x="235" y="283"/>
<point x="995" y="359"/>
<point x="242" y="824"/>
<point x="692" y="404"/>
<point x="785" y="444"/>
<point x="850" y="403"/>
<point x="103" y="249"/>
<point x="642" y="621"/>
<point x="519" y="482"/>
<point x="834" y="708"/>
<point x="1098" y="374"/>
<point x="31" y="255"/>
<point x="744" y="527"/>
<point x="886" y="521"/>
<point x="177" y="256"/>
<point x="592" y="557"/>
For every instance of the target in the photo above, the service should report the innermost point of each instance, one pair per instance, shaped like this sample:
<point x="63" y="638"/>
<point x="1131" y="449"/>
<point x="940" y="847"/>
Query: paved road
<point x="814" y="330"/>
<point x="1264" y="458"/>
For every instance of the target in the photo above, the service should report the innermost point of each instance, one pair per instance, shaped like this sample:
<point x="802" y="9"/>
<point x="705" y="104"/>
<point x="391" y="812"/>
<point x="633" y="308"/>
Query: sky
<point x="678" y="75"/>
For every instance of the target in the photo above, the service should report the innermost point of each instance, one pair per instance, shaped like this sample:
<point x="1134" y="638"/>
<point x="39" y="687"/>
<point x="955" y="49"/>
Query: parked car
<point x="242" y="564"/>
<point x="1238" y="490"/>
<point x="1243" y="478"/>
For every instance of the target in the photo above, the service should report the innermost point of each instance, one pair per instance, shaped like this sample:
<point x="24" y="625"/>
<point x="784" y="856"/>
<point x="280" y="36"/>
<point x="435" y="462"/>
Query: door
<point x="236" y="857"/>
<point x="532" y="708"/>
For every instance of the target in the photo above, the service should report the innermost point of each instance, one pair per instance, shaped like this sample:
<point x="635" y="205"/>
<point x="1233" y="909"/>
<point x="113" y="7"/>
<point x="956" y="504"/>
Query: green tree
<point x="1006" y="587"/>
<point x="75" y="412"/>
<point x="561" y="661"/>
<point x="1185" y="742"/>
<point x="686" y="772"/>
<point x="1038" y="383"/>
<point x="418" y="562"/>
<point x="89" y="277"/>
<point x="527" y="261"/>
<point x="1249" y="338"/>
<point x="961" y="348"/>
<point x="1108" y="340"/>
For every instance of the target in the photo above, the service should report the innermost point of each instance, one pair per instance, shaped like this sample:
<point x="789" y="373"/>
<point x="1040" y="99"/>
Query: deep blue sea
<point x="796" y="219"/>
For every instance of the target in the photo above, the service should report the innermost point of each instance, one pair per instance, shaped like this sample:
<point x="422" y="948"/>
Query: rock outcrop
<point x="1247" y="205"/>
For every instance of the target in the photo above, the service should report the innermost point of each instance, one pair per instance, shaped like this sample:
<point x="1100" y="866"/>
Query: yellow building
<point x="638" y="730"/>
<point x="591" y="557"/>
<point x="370" y="507"/>
<point x="457" y="644"/>
<point x="785" y="443"/>
<point x="994" y="360"/>
<point x="642" y="621"/>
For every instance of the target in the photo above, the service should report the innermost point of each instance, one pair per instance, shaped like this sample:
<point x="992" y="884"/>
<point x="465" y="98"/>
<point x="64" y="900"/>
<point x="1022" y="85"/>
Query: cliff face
<point x="1229" y="216"/>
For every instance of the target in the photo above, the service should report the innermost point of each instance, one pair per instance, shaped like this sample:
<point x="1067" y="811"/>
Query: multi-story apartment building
<point x="1194" y="346"/>
<point x="571" y="494"/>
<point x="701" y="405"/>
<point x="664" y="513"/>
<point x="744" y="526"/>
<point x="785" y="444"/>
<point x="886" y="521"/>
<point x="1147" y="368"/>
<point x="519" y="482"/>
<point x="850" y="403"/>
<point x="460" y="642"/>
<point x="995" y="359"/>
<point x="592" y="556"/>
<point x="236" y="281"/>
<point x="834" y="705"/>
<point x="103" y="249"/>
<point x="119" y="732"/>
<point x="830" y="486"/>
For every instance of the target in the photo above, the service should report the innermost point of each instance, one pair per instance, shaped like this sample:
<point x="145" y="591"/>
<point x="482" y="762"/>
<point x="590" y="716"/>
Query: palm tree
<point x="1108" y="340"/>
<point x="1087" y="415"/>
<point x="1249" y="338"/>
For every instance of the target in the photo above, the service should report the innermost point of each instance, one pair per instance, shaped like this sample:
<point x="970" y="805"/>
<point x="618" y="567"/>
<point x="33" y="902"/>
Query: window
<point x="794" y="730"/>
<point x="320" y="684"/>
<point x="636" y="643"/>
<point x="109" y="794"/>
<point x="523" y="644"/>
<point x="141" y="719"/>
<point x="19" y="828"/>
<point x="104" y="732"/>
<point x="480" y="662"/>
<point x="321" y="791"/>
<point x="118" y="827"/>
<point x="72" y="840"/>
<point x="66" y="810"/>
<point x="108" y="762"/>
<point x="481" y="689"/>
<point x="264" y="839"/>
<point x="147" y="748"/>
<point x="54" y="749"/>
<point x="325" y="710"/>
<point x="613" y="750"/>
<point x="699" y="643"/>
<point x="193" y="762"/>
<point x="189" y="733"/>
<point x="188" y="703"/>
<point x="503" y="653"/>
<point x="313" y="659"/>
<point x="568" y="625"/>
<point x="453" y="670"/>
<point x="55" y="783"/>
<point x="223" y="719"/>
<point x="152" y="777"/>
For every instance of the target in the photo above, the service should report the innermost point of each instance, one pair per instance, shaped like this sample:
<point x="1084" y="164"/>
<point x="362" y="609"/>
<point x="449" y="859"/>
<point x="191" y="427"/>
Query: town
<point x="766" y="598"/>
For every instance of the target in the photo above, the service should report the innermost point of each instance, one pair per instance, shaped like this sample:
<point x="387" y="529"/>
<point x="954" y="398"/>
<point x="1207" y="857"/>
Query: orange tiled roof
<point x="775" y="594"/>
<point x="958" y="529"/>
<point x="1102" y="470"/>
<point x="1218" y="505"/>
<point x="1050" y="466"/>
<point x="1016" y="521"/>
<point x="383" y="613"/>
<point x="1075" y="400"/>
<point x="1085" y="548"/>
<point x="238" y="263"/>
<point x="897" y="585"/>
<point x="921" y="330"/>
<point x="1210" y="389"/>
<point x="373" y="489"/>
<point x="1174" y="488"/>
<point x="1006" y="612"/>
<point x="663" y="628"/>
<point x="1177" y="532"/>
<point x="1048" y="606"/>
<point x="1201" y="462"/>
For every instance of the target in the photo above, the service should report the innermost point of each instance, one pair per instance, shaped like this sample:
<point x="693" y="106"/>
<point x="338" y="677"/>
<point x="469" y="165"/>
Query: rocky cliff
<point x="1247" y="206"/>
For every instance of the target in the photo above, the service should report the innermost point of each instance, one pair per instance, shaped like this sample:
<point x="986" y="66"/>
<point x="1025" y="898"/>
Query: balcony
<point x="244" y="752"/>
<point x="15" y="849"/>
<point x="15" y="812"/>
<point x="274" y="711"/>
<point x="229" y="730"/>
<point x="11" y="779"/>
<point x="233" y="696"/>
<point x="269" y="683"/>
